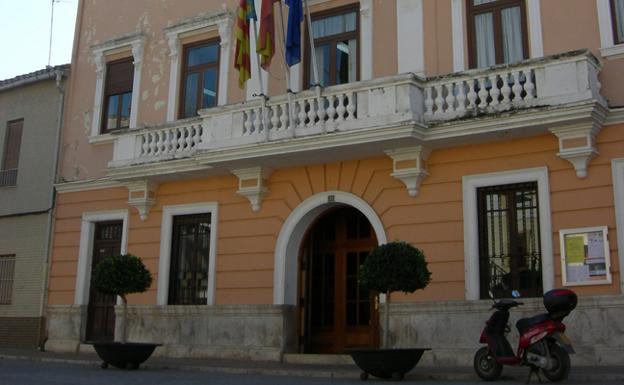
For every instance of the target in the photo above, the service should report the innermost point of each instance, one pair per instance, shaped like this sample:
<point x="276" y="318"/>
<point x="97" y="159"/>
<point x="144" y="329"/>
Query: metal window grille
<point x="8" y="177"/>
<point x="7" y="269"/>
<point x="188" y="279"/>
<point x="509" y="242"/>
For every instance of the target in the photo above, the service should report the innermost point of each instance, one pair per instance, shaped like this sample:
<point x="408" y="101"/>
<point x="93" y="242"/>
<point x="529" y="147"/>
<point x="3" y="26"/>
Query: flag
<point x="265" y="46"/>
<point x="242" y="63"/>
<point x="293" y="34"/>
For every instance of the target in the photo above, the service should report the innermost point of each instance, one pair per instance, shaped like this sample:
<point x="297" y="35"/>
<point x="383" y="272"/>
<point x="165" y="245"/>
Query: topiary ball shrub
<point x="121" y="275"/>
<point x="395" y="266"/>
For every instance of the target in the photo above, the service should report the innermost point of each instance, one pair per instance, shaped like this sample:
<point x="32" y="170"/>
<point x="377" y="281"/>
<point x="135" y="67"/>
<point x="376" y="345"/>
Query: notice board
<point x="585" y="256"/>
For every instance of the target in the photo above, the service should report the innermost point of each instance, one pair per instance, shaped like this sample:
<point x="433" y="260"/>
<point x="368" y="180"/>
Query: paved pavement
<point x="32" y="367"/>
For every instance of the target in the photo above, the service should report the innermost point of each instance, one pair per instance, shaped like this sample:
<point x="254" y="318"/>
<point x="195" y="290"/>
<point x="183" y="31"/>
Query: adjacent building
<point x="31" y="108"/>
<point x="488" y="133"/>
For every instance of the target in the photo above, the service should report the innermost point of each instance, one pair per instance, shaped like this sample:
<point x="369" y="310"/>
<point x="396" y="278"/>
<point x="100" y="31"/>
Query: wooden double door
<point x="336" y="314"/>
<point x="101" y="309"/>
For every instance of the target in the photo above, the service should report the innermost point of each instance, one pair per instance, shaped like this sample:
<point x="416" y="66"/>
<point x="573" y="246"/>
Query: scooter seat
<point x="524" y="324"/>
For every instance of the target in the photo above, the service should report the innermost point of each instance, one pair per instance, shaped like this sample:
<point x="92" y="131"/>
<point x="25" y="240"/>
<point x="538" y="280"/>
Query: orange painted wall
<point x="432" y="221"/>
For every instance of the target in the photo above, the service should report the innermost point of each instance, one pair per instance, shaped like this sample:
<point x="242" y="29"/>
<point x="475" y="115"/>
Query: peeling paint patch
<point x="145" y="95"/>
<point x="155" y="78"/>
<point x="159" y="105"/>
<point x="86" y="122"/>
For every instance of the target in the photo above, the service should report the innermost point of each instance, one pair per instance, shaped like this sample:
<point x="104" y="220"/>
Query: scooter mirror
<point x="515" y="294"/>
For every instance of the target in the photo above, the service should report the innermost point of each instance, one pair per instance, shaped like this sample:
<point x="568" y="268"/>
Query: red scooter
<point x="542" y="344"/>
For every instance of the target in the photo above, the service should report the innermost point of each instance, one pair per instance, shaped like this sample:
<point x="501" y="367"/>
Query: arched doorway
<point x="335" y="312"/>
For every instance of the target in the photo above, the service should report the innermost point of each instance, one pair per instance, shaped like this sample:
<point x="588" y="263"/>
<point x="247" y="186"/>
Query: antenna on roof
<point x="51" y="29"/>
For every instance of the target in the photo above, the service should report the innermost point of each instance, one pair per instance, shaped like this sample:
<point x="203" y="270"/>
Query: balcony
<point x="558" y="94"/>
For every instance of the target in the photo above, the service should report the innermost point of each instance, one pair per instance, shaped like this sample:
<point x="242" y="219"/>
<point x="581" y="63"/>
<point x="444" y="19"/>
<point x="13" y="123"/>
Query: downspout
<point x="51" y="212"/>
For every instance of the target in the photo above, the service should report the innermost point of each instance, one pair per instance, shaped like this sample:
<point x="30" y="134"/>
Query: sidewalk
<point x="581" y="374"/>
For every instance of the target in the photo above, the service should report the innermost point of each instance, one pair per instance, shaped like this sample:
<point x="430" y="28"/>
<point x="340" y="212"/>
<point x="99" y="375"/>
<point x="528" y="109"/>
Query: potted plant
<point x="395" y="266"/>
<point x="121" y="275"/>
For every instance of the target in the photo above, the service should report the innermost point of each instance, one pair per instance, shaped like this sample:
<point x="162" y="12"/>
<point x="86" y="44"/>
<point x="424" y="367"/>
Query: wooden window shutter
<point x="12" y="145"/>
<point x="119" y="77"/>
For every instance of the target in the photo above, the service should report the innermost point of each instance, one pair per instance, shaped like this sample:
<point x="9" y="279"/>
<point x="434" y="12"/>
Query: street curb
<point x="420" y="373"/>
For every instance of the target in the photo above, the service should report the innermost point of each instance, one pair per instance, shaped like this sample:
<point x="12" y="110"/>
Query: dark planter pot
<point x="121" y="355"/>
<point x="386" y="363"/>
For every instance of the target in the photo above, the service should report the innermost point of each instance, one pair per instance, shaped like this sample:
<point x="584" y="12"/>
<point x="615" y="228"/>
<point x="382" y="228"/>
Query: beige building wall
<point x="432" y="221"/>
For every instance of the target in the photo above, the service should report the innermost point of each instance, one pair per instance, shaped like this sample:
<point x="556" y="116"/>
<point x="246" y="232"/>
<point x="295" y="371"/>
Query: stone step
<point x="317" y="359"/>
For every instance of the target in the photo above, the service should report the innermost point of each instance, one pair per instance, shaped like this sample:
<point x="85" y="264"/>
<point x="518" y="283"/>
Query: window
<point x="617" y="14"/>
<point x="509" y="240"/>
<point x="497" y="32"/>
<point x="336" y="46"/>
<point x="199" y="77"/>
<point x="118" y="95"/>
<point x="11" y="153"/>
<point x="7" y="267"/>
<point x="190" y="253"/>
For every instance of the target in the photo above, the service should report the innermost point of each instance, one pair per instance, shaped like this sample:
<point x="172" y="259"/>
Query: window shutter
<point x="12" y="145"/>
<point x="119" y="77"/>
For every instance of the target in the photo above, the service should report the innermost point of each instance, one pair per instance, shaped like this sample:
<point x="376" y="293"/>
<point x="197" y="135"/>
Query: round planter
<point x="128" y="355"/>
<point x="386" y="363"/>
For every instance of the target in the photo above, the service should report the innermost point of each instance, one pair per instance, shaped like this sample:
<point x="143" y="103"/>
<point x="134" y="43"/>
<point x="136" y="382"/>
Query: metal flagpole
<point x="262" y="95"/>
<point x="289" y="91"/>
<point x="312" y="48"/>
<point x="260" y="82"/>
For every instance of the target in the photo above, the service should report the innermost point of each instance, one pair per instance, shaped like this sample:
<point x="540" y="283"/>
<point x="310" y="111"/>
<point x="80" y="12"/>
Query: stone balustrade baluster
<point x="439" y="100"/>
<point x="341" y="108"/>
<point x="181" y="140"/>
<point x="331" y="108"/>
<point x="257" y="121"/>
<point x="302" y="112"/>
<point x="461" y="97"/>
<point x="351" y="106"/>
<point x="517" y="87"/>
<point x="274" y="111"/>
<point x="505" y="89"/>
<point x="472" y="94"/>
<point x="248" y="122"/>
<point x="450" y="98"/>
<point x="483" y="92"/>
<point x="189" y="138"/>
<point x="283" y="116"/>
<point x="529" y="86"/>
<point x="311" y="112"/>
<point x="494" y="91"/>
<point x="428" y="102"/>
<point x="197" y="136"/>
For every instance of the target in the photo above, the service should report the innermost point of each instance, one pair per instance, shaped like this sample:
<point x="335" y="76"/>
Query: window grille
<point x="7" y="270"/>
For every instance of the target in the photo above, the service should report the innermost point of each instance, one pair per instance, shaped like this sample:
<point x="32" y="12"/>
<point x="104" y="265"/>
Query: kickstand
<point x="535" y="370"/>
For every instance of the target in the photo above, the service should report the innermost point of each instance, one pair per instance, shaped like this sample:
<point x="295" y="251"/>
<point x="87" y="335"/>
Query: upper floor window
<point x="118" y="95"/>
<point x="7" y="267"/>
<point x="617" y="13"/>
<point x="11" y="153"/>
<point x="335" y="36"/>
<point x="200" y="77"/>
<point x="497" y="32"/>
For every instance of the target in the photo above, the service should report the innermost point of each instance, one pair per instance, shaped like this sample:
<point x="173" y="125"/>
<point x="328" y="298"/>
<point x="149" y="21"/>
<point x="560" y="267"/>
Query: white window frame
<point x="459" y="32"/>
<point x="608" y="48"/>
<point x="470" y="184"/>
<point x="221" y="22"/>
<point x="166" y="236"/>
<point x="133" y="43"/>
<point x="85" y="253"/>
<point x="617" y="169"/>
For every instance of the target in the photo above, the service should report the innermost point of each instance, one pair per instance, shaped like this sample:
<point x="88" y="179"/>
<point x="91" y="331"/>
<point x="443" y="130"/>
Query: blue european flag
<point x="293" y="34"/>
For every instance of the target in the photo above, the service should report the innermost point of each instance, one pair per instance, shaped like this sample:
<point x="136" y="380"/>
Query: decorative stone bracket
<point x="577" y="144"/>
<point x="251" y="184"/>
<point x="410" y="166"/>
<point x="142" y="196"/>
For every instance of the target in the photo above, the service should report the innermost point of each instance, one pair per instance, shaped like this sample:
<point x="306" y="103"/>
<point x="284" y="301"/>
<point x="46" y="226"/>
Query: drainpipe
<point x="51" y="211"/>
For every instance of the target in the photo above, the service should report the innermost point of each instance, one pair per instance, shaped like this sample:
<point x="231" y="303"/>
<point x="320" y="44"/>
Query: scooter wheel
<point x="560" y="367"/>
<point x="486" y="366"/>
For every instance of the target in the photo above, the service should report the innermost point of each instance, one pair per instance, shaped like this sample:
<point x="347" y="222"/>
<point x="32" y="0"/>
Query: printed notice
<point x="575" y="249"/>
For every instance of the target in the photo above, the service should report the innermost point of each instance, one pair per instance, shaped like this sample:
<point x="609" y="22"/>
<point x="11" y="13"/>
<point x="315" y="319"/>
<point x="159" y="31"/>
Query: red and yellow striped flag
<point x="242" y="61"/>
<point x="265" y="46"/>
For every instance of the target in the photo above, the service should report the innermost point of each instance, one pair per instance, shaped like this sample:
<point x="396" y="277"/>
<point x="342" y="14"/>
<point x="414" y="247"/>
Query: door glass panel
<point x="190" y="95"/>
<point x="323" y="61"/>
<point x="512" y="35"/>
<point x="346" y="61"/>
<point x="111" y="114"/>
<point x="334" y="25"/>
<point x="202" y="55"/>
<point x="484" y="38"/>
<point x="210" y="88"/>
<point x="126" y="102"/>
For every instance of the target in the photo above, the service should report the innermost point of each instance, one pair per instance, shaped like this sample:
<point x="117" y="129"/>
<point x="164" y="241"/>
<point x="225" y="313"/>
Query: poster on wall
<point x="585" y="256"/>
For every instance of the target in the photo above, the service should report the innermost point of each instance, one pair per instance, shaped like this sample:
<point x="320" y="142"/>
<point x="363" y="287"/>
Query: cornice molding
<point x="87" y="185"/>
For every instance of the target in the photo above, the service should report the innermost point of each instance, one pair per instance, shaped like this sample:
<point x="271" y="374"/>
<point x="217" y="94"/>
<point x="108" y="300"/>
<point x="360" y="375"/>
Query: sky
<point x="25" y="34"/>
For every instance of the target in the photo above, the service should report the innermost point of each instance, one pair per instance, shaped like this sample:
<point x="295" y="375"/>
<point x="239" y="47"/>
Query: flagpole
<point x="312" y="48"/>
<point x="260" y="82"/>
<point x="289" y="91"/>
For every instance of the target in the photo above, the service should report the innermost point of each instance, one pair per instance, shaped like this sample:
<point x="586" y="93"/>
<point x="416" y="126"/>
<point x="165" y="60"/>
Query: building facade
<point x="30" y="123"/>
<point x="486" y="133"/>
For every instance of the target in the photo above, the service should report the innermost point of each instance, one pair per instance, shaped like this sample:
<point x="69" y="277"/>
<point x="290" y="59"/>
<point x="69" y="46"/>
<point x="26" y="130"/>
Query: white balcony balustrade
<point x="372" y="108"/>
